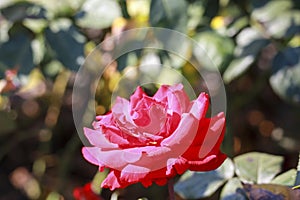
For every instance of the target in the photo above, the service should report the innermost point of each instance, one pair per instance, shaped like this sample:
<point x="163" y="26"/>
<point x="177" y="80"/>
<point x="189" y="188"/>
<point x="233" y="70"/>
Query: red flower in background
<point x="85" y="193"/>
<point x="151" y="139"/>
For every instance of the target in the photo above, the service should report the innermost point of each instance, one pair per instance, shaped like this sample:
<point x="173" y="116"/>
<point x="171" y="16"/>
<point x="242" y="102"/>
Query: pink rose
<point x="151" y="139"/>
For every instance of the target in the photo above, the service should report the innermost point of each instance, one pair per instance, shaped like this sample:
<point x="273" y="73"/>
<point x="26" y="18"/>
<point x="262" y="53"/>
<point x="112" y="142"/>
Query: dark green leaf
<point x="21" y="10"/>
<point x="17" y="51"/>
<point x="211" y="9"/>
<point x="195" y="185"/>
<point x="285" y="78"/>
<point x="257" y="167"/>
<point x="67" y="43"/>
<point x="167" y="14"/>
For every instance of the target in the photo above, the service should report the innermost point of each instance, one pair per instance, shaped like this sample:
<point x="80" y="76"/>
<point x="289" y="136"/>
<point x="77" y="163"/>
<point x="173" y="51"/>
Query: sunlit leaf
<point x="257" y="167"/>
<point x="195" y="185"/>
<point x="98" y="14"/>
<point x="284" y="25"/>
<point x="285" y="78"/>
<point x="237" y="67"/>
<point x="236" y="25"/>
<point x="270" y="9"/>
<point x="5" y="3"/>
<point x="249" y="43"/>
<point x="195" y="12"/>
<point x="66" y="42"/>
<point x="229" y="191"/>
<point x="219" y="49"/>
<point x="287" y="178"/>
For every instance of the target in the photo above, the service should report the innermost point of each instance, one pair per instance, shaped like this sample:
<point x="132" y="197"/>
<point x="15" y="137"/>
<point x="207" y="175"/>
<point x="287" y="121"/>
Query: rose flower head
<point x="152" y="139"/>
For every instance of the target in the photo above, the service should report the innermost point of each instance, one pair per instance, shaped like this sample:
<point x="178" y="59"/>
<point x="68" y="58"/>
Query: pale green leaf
<point x="287" y="178"/>
<point x="257" y="167"/>
<point x="229" y="191"/>
<point x="218" y="48"/>
<point x="98" y="14"/>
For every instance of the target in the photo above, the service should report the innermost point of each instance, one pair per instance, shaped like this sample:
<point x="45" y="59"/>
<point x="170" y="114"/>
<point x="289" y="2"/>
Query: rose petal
<point x="175" y="97"/>
<point x="161" y="181"/>
<point x="214" y="135"/>
<point x="158" y="118"/>
<point x="179" y="164"/>
<point x="89" y="156"/>
<point x="112" y="181"/>
<point x="121" y="114"/>
<point x="103" y="120"/>
<point x="114" y="135"/>
<point x="115" y="159"/>
<point x="133" y="174"/>
<point x="184" y="134"/>
<point x="97" y="138"/>
<point x="136" y="97"/>
<point x="209" y="163"/>
<point x="199" y="106"/>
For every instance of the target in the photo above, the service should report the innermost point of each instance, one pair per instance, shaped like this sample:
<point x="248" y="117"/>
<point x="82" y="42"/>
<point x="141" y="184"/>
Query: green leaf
<point x="285" y="78"/>
<point x="5" y="3"/>
<point x="229" y="191"/>
<point x="249" y="44"/>
<point x="167" y="14"/>
<point x="17" y="51"/>
<point x="285" y="25"/>
<point x="237" y="67"/>
<point x="271" y="9"/>
<point x="98" y="14"/>
<point x="21" y="10"/>
<point x="257" y="167"/>
<point x="287" y="178"/>
<point x="195" y="185"/>
<point x="66" y="42"/>
<point x="218" y="48"/>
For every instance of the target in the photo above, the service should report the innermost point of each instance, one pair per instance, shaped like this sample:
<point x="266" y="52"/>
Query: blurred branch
<point x="20" y="136"/>
<point x="66" y="159"/>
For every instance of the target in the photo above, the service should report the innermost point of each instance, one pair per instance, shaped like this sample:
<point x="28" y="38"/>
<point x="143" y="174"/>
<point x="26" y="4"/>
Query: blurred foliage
<point x="253" y="43"/>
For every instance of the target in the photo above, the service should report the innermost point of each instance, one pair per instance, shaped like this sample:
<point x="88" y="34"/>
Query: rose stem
<point x="171" y="189"/>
